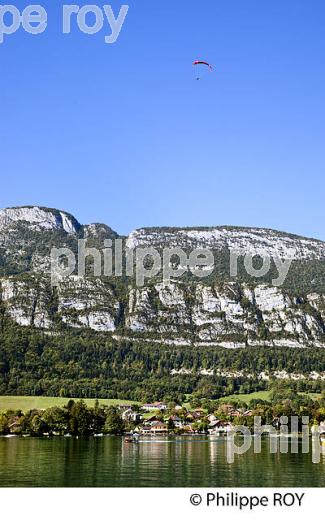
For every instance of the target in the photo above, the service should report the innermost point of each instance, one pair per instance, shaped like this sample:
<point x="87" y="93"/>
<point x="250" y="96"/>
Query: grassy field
<point x="246" y="398"/>
<point x="26" y="403"/>
<point x="41" y="403"/>
<point x="264" y="395"/>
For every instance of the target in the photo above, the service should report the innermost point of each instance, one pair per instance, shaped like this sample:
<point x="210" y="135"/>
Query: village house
<point x="145" y="430"/>
<point x="219" y="427"/>
<point x="154" y="407"/>
<point x="131" y="416"/>
<point x="151" y="419"/>
<point x="156" y="428"/>
<point x="193" y="416"/>
<point x="178" y="422"/>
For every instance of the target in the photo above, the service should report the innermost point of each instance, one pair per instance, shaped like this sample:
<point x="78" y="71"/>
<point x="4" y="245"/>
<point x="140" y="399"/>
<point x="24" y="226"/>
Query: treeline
<point x="91" y="365"/>
<point x="73" y="419"/>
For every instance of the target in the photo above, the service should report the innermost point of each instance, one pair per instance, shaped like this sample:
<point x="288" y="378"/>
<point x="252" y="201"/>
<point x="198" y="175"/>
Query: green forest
<point x="85" y="364"/>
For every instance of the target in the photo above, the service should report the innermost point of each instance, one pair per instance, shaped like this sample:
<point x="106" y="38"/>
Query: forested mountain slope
<point x="218" y="326"/>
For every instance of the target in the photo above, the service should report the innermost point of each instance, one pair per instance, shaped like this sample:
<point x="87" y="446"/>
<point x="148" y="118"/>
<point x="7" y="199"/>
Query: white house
<point x="178" y="422"/>
<point x="131" y="415"/>
<point x="219" y="427"/>
<point x="154" y="407"/>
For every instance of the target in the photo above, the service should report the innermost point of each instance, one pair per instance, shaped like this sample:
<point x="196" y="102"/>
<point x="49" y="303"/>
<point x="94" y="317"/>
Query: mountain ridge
<point x="164" y="228"/>
<point x="219" y="310"/>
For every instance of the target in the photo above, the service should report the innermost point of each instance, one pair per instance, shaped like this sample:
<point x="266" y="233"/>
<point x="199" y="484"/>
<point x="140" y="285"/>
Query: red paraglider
<point x="201" y="63"/>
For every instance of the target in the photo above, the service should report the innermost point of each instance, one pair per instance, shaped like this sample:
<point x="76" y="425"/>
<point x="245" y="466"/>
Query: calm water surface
<point x="182" y="462"/>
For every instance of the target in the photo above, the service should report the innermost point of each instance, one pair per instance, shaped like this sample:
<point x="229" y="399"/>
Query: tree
<point x="114" y="423"/>
<point x="98" y="417"/>
<point x="37" y="425"/>
<point x="79" y="423"/>
<point x="4" y="424"/>
<point x="56" y="419"/>
<point x="171" y="426"/>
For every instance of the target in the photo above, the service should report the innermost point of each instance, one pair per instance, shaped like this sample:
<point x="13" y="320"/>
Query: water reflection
<point x="180" y="462"/>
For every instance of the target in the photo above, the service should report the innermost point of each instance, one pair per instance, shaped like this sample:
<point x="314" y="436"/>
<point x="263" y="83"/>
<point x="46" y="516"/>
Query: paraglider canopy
<point x="201" y="64"/>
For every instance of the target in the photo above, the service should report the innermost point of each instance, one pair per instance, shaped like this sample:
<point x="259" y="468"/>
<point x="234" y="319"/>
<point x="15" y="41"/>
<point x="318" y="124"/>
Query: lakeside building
<point x="156" y="428"/>
<point x="178" y="422"/>
<point x="219" y="427"/>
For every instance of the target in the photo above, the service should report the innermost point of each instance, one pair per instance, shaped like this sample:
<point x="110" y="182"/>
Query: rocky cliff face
<point x="216" y="311"/>
<point x="27" y="235"/>
<point x="77" y="303"/>
<point x="243" y="240"/>
<point x="36" y="219"/>
<point x="231" y="316"/>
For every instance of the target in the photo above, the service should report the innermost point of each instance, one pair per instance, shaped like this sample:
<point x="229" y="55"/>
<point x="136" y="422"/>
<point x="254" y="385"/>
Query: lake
<point x="180" y="462"/>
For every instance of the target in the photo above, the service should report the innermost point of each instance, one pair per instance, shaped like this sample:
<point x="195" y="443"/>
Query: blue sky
<point x="123" y="134"/>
